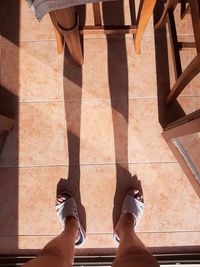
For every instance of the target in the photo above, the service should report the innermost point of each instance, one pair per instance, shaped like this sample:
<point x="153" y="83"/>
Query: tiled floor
<point x="77" y="123"/>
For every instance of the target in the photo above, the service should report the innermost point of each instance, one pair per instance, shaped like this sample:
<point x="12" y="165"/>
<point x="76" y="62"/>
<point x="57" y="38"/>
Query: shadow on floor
<point x="73" y="99"/>
<point x="113" y="14"/>
<point x="9" y="30"/>
<point x="118" y="85"/>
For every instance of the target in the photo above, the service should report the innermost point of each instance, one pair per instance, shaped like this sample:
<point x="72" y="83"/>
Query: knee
<point x="57" y="255"/>
<point x="136" y="257"/>
<point x="51" y="251"/>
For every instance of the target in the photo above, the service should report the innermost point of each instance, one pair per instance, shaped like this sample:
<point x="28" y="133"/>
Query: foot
<point x="132" y="210"/>
<point x="67" y="213"/>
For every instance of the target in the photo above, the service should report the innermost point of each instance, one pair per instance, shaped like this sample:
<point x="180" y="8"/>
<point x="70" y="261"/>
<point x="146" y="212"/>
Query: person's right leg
<point x="131" y="252"/>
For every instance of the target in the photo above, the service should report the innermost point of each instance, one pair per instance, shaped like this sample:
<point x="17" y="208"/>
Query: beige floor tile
<point x="33" y="182"/>
<point x="111" y="73"/>
<point x="142" y="69"/>
<point x="97" y="144"/>
<point x="25" y="25"/>
<point x="29" y="185"/>
<point x="97" y="192"/>
<point x="157" y="183"/>
<point x="183" y="26"/>
<point x="30" y="200"/>
<point x="31" y="72"/>
<point x="170" y="240"/>
<point x="164" y="223"/>
<point x="38" y="136"/>
<point x="189" y="104"/>
<point x="146" y="143"/>
<point x="166" y="191"/>
<point x="128" y="129"/>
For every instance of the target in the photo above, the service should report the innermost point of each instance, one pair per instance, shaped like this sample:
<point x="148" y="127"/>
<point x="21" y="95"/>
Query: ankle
<point x="126" y="224"/>
<point x="71" y="223"/>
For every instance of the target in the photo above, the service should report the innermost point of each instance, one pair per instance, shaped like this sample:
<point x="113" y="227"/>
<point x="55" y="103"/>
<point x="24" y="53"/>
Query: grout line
<point x="89" y="164"/>
<point x="106" y="233"/>
<point x="101" y="99"/>
<point x="95" y="36"/>
<point x="84" y="100"/>
<point x="4" y="40"/>
<point x="40" y="101"/>
<point x="91" y="36"/>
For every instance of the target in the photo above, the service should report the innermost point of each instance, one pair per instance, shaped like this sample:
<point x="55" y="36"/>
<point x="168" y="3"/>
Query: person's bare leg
<point x="131" y="251"/>
<point x="59" y="252"/>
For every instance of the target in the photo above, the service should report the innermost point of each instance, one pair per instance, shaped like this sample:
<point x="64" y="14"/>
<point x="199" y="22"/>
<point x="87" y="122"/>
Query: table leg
<point x="68" y="24"/>
<point x="146" y="12"/>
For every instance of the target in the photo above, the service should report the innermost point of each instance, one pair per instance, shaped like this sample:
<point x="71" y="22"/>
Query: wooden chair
<point x="67" y="29"/>
<point x="182" y="78"/>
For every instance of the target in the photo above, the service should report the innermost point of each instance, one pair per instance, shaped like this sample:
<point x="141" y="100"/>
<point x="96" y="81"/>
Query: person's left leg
<point x="131" y="252"/>
<point x="59" y="252"/>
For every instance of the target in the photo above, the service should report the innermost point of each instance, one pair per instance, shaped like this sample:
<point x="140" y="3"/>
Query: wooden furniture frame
<point x="182" y="78"/>
<point x="188" y="125"/>
<point x="67" y="29"/>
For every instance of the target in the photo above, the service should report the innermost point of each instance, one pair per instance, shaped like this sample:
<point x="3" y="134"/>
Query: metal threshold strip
<point x="192" y="259"/>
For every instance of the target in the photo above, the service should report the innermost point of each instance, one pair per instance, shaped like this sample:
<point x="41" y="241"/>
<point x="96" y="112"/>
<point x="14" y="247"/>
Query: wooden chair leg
<point x="146" y="12"/>
<point x="5" y="123"/>
<point x="68" y="24"/>
<point x="59" y="36"/>
<point x="189" y="73"/>
<point x="171" y="4"/>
